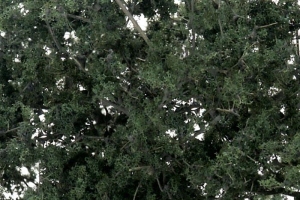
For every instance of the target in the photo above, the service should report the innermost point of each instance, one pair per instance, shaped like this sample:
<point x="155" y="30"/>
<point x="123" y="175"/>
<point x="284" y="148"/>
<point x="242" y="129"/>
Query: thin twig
<point x="165" y="98"/>
<point x="8" y="131"/>
<point x="137" y="188"/>
<point x="138" y="168"/>
<point x="51" y="31"/>
<point x="193" y="29"/>
<point x="219" y="21"/>
<point x="28" y="84"/>
<point x="25" y="183"/>
<point x="79" y="18"/>
<point x="79" y="65"/>
<point x="143" y="60"/>
<point x="244" y="54"/>
<point x="127" y="92"/>
<point x="159" y="185"/>
<point x="124" y="145"/>
<point x="53" y="36"/>
<point x="265" y="26"/>
<point x="252" y="159"/>
<point x="59" y="48"/>
<point x="221" y="29"/>
<point x="228" y="111"/>
<point x="161" y="189"/>
<point x="187" y="163"/>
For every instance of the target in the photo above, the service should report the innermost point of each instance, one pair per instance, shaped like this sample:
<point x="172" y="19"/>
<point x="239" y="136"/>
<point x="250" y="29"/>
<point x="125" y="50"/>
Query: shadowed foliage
<point x="87" y="104"/>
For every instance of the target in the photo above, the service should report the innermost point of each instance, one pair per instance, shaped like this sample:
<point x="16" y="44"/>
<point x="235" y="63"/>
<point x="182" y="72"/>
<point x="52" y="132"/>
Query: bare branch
<point x="135" y="24"/>
<point x="79" y="18"/>
<point x="58" y="46"/>
<point x="79" y="65"/>
<point x="252" y="159"/>
<point x="9" y="131"/>
<point x="143" y="60"/>
<point x="137" y="188"/>
<point x="193" y="29"/>
<point x="265" y="26"/>
<point x="139" y="168"/>
<point x="221" y="29"/>
<point x="228" y="111"/>
<point x="159" y="185"/>
<point x="53" y="36"/>
<point x="219" y="20"/>
<point x="165" y="98"/>
<point x="117" y="107"/>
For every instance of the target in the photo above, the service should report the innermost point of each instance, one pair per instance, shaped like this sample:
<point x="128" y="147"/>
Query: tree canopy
<point x="203" y="104"/>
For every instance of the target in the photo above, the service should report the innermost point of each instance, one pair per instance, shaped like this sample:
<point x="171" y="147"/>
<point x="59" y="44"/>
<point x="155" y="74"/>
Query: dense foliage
<point x="87" y="105"/>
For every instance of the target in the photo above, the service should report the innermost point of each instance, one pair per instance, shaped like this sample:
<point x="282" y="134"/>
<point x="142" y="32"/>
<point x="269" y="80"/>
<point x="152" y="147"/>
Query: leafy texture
<point x="87" y="103"/>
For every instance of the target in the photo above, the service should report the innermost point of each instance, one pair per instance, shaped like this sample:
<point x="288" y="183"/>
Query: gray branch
<point x="117" y="107"/>
<point x="135" y="24"/>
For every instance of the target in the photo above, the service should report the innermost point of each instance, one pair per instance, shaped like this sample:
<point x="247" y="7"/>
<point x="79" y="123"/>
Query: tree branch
<point x="53" y="36"/>
<point x="159" y="185"/>
<point x="135" y="24"/>
<point x="139" y="168"/>
<point x="265" y="26"/>
<point x="165" y="98"/>
<point x="162" y="189"/>
<point x="79" y="18"/>
<point x="193" y="28"/>
<point x="228" y="111"/>
<point x="221" y="29"/>
<point x="8" y="131"/>
<point x="219" y="20"/>
<point x="117" y="107"/>
<point x="59" y="48"/>
<point x="137" y="188"/>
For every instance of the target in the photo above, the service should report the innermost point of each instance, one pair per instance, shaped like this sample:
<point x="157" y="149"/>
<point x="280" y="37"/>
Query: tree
<point x="109" y="94"/>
